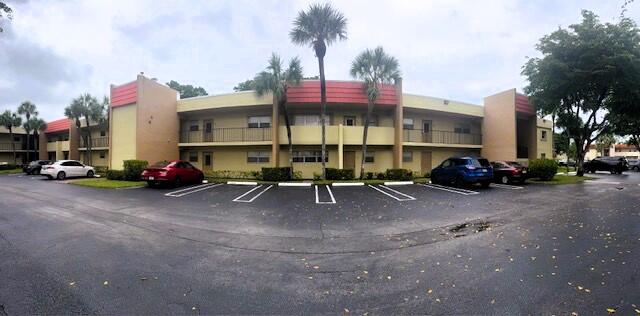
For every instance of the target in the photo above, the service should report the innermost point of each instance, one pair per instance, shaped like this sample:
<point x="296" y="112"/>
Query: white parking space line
<point x="401" y="196"/>
<point x="506" y="186"/>
<point x="449" y="189"/>
<point x="602" y="182"/>
<point x="193" y="189"/>
<point x="240" y="198"/>
<point x="333" y="200"/>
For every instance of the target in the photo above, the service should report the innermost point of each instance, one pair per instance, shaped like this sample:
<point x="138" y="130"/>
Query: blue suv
<point x="461" y="171"/>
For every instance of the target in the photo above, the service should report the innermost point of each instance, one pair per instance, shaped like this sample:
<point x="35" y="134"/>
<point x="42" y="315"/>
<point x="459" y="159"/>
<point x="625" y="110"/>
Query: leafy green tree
<point x="577" y="76"/>
<point x="187" y="91"/>
<point x="88" y="108"/>
<point x="276" y="80"/>
<point x="4" y="8"/>
<point x="10" y="120"/>
<point x="374" y="68"/>
<point x="246" y="85"/>
<point x="28" y="109"/>
<point x="560" y="143"/>
<point x="321" y="25"/>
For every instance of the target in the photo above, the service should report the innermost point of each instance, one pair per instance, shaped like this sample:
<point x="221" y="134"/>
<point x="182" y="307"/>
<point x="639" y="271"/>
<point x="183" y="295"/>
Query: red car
<point x="509" y="171"/>
<point x="174" y="172"/>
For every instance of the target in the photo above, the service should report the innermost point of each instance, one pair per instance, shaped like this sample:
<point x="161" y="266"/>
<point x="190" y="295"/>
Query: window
<point x="543" y="136"/>
<point x="308" y="156"/>
<point x="446" y="164"/>
<point x="207" y="159"/>
<point x="259" y="121"/>
<point x="193" y="156"/>
<point x="407" y="123"/>
<point x="407" y="156"/>
<point x="102" y="155"/>
<point x="543" y="155"/>
<point x="16" y="139"/>
<point x="306" y="120"/>
<point x="194" y="126"/>
<point x="258" y="156"/>
<point x="103" y="133"/>
<point x="369" y="157"/>
<point x="350" y="121"/>
<point x="208" y="126"/>
<point x="462" y="129"/>
<point x="426" y="126"/>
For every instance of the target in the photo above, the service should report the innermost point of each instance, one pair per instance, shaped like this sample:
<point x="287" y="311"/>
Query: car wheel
<point x="613" y="171"/>
<point x="459" y="182"/>
<point x="90" y="174"/>
<point x="61" y="175"/>
<point x="177" y="182"/>
<point x="151" y="184"/>
<point x="504" y="180"/>
<point x="37" y="172"/>
<point x="485" y="184"/>
<point x="200" y="178"/>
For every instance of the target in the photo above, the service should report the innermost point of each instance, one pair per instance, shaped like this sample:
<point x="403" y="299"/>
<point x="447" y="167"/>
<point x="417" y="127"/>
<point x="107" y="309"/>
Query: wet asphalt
<point x="539" y="249"/>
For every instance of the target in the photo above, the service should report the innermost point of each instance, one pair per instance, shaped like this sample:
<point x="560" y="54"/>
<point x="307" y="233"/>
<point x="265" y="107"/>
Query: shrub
<point x="399" y="174"/>
<point x="8" y="167"/>
<point x="101" y="170"/>
<point x="115" y="174"/>
<point x="427" y="174"/>
<point x="369" y="175"/>
<point x="340" y="174"/>
<point x="133" y="169"/>
<point x="317" y="176"/>
<point x="543" y="169"/>
<point x="297" y="175"/>
<point x="380" y="176"/>
<point x="232" y="174"/>
<point x="276" y="174"/>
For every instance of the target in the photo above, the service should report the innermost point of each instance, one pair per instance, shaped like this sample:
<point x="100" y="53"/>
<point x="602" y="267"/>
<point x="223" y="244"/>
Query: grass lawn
<point x="107" y="184"/>
<point x="562" y="179"/>
<point x="566" y="169"/>
<point x="11" y="171"/>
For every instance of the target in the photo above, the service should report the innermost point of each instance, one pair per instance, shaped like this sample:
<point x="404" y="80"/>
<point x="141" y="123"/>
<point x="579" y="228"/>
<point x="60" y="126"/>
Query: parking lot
<point x="265" y="248"/>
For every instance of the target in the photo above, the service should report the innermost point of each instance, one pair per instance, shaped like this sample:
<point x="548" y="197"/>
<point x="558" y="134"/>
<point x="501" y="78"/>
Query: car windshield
<point x="514" y="164"/>
<point x="160" y="164"/>
<point x="478" y="162"/>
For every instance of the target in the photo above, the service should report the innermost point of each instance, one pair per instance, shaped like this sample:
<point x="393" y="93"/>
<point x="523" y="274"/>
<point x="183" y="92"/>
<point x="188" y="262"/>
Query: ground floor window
<point x="102" y="155"/>
<point x="407" y="156"/>
<point x="193" y="156"/>
<point x="309" y="156"/>
<point x="258" y="156"/>
<point x="543" y="155"/>
<point x="369" y="157"/>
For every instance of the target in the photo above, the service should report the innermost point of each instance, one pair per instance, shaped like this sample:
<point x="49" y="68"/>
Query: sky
<point x="53" y="51"/>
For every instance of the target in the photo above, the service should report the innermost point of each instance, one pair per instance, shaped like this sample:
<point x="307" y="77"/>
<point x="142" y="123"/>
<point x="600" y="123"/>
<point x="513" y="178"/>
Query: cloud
<point x="460" y="50"/>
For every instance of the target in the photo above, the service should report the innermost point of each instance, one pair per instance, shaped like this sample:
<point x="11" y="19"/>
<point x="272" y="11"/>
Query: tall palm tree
<point x="94" y="114"/>
<point x="277" y="81"/>
<point x="83" y="107"/>
<point x="28" y="109"/>
<point x="320" y="26"/>
<point x="75" y="111"/>
<point x="373" y="67"/>
<point x="37" y="125"/>
<point x="10" y="120"/>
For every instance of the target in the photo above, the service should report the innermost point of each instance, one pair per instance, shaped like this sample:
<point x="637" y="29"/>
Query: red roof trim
<point x="124" y="94"/>
<point x="339" y="92"/>
<point x="58" y="126"/>
<point x="523" y="105"/>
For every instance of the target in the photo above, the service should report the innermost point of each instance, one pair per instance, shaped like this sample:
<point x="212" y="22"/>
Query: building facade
<point x="243" y="132"/>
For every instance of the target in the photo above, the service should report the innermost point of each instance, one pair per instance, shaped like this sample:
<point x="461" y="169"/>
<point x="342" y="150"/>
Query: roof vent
<point x="446" y="102"/>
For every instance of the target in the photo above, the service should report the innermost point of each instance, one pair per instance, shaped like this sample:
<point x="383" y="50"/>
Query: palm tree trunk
<point x="287" y="123"/>
<point x="28" y="148"/>
<point x="13" y="146"/>
<point x="34" y="144"/>
<point x="323" y="110"/>
<point x="367" y="120"/>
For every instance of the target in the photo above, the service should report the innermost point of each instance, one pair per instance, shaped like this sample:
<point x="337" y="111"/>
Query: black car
<point x="634" y="164"/>
<point x="34" y="167"/>
<point x="611" y="164"/>
<point x="509" y="171"/>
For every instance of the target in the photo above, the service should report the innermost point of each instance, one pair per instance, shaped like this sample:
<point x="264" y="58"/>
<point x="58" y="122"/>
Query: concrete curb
<point x="294" y="184"/>
<point x="347" y="184"/>
<point x="398" y="183"/>
<point x="242" y="182"/>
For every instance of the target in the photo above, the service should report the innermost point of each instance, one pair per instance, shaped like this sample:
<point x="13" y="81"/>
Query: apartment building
<point x="243" y="132"/>
<point x="63" y="140"/>
<point x="7" y="144"/>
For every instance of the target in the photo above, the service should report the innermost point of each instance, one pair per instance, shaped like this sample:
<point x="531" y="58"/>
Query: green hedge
<point x="399" y="174"/>
<point x="101" y="170"/>
<point x="543" y="169"/>
<point x="133" y="169"/>
<point x="276" y="174"/>
<point x="8" y="167"/>
<point x="115" y="174"/>
<point x="233" y="174"/>
<point x="339" y="174"/>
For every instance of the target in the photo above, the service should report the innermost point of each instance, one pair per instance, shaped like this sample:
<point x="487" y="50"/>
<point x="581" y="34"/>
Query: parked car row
<point x="615" y="165"/>
<point x="461" y="171"/>
<point x="60" y="169"/>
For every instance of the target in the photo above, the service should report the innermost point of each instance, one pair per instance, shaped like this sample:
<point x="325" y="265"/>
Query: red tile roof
<point x="58" y="125"/>
<point x="124" y="94"/>
<point x="339" y="92"/>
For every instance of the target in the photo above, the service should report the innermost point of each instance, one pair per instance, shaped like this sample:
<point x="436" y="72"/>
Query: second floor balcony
<point x="227" y="135"/>
<point x="96" y="142"/>
<point x="8" y="147"/>
<point x="441" y="137"/>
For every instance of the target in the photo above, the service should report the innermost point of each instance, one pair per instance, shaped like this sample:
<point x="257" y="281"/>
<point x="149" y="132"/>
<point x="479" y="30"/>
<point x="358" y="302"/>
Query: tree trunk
<point x="367" y="120"/>
<point x="13" y="146"/>
<point x="579" y="159"/>
<point x="28" y="147"/>
<point x="323" y="110"/>
<point x="35" y="143"/>
<point x="287" y="123"/>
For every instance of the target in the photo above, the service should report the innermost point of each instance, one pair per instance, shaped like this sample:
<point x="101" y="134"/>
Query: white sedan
<point x="67" y="168"/>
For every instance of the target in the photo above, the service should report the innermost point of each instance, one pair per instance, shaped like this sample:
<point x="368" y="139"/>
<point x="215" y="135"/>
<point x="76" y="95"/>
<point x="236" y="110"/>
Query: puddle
<point x="460" y="230"/>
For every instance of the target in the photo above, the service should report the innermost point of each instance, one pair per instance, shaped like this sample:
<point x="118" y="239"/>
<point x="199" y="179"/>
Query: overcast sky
<point x="52" y="51"/>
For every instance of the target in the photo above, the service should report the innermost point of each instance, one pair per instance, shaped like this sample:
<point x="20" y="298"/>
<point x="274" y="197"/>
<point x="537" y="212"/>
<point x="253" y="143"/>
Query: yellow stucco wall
<point x="96" y="161"/>
<point x="245" y="98"/>
<point x="227" y="158"/>
<point x="438" y="104"/>
<point x="544" y="146"/>
<point x="123" y="135"/>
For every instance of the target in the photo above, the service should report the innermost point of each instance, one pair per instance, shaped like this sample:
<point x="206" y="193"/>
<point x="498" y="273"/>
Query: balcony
<point x="61" y="145"/>
<point x="7" y="146"/>
<point x="351" y="135"/>
<point x="442" y="137"/>
<point x="228" y="136"/>
<point x="98" y="142"/>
